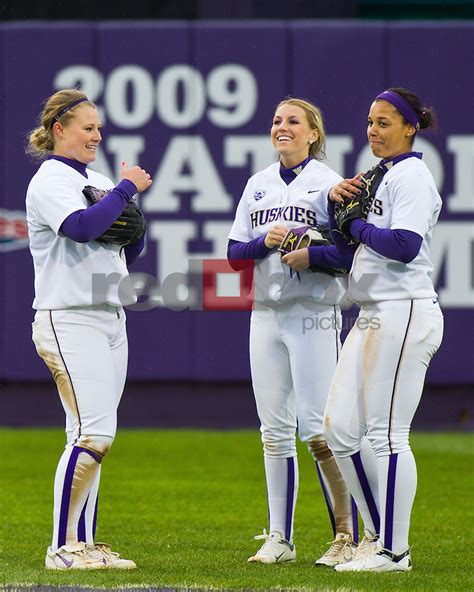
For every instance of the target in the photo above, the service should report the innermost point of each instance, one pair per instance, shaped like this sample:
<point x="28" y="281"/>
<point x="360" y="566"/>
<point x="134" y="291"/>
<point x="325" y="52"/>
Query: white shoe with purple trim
<point x="74" y="556"/>
<point x="382" y="561"/>
<point x="275" y="549"/>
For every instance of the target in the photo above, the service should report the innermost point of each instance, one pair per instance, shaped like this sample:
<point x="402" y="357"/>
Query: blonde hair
<point x="315" y="122"/>
<point x="40" y="140"/>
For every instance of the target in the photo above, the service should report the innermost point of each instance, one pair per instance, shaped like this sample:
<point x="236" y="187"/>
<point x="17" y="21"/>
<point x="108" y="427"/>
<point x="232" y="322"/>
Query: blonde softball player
<point x="294" y="333"/>
<point x="380" y="374"/>
<point x="79" y="327"/>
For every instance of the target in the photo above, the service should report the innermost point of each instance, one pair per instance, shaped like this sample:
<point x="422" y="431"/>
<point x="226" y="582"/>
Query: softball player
<point x="380" y="374"/>
<point x="79" y="327"/>
<point x="294" y="332"/>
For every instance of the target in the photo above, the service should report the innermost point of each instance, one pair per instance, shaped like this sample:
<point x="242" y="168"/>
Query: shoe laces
<point x="105" y="549"/>
<point x="271" y="540"/>
<point x="338" y="545"/>
<point x="365" y="548"/>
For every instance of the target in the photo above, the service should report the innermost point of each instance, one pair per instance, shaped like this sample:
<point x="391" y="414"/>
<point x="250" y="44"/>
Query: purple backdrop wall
<point x="192" y="103"/>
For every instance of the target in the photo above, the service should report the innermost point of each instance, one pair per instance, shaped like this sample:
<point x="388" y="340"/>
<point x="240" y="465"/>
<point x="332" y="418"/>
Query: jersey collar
<point x="80" y="167"/>
<point x="288" y="175"/>
<point x="388" y="163"/>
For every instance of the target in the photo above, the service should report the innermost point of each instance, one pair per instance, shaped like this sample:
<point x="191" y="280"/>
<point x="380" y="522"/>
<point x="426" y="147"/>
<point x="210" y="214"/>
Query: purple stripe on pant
<point x="81" y="527"/>
<point x="369" y="498"/>
<point x="355" y="521"/>
<point x="390" y="501"/>
<point x="290" y="492"/>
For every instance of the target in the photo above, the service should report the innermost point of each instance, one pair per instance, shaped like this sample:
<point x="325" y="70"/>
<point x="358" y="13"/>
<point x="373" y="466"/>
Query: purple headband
<point x="64" y="110"/>
<point x="402" y="105"/>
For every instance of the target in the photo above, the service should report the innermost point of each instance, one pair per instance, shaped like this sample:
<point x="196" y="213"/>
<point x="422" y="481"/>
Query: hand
<point x="140" y="178"/>
<point x="347" y="188"/>
<point x="298" y="260"/>
<point x="275" y="235"/>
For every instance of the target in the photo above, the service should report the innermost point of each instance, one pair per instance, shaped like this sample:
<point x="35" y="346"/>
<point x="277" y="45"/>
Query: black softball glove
<point x="359" y="206"/>
<point x="129" y="227"/>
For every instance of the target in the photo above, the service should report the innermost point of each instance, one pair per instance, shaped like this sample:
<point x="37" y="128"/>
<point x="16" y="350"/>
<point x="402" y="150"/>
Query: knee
<point x="319" y="449"/>
<point x="337" y="436"/>
<point x="99" y="445"/>
<point x="331" y="431"/>
<point x="384" y="443"/>
<point x="278" y="447"/>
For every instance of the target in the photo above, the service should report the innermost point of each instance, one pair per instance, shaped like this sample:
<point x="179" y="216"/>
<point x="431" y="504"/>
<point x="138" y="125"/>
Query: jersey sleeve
<point x="414" y="202"/>
<point x="321" y="204"/>
<point x="241" y="228"/>
<point x="56" y="198"/>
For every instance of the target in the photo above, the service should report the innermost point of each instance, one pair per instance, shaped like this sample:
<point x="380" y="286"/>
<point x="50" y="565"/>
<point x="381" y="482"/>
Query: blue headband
<point x="402" y="105"/>
<point x="64" y="110"/>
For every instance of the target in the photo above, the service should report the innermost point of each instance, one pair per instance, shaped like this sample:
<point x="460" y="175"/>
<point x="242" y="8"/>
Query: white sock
<point x="76" y="471"/>
<point x="397" y="483"/>
<point x="88" y="519"/>
<point x="282" y="491"/>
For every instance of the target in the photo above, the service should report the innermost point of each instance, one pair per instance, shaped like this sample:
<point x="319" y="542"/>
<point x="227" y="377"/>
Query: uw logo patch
<point x="13" y="230"/>
<point x="258" y="195"/>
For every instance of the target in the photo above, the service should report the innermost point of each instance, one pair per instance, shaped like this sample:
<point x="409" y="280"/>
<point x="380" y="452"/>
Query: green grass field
<point x="185" y="505"/>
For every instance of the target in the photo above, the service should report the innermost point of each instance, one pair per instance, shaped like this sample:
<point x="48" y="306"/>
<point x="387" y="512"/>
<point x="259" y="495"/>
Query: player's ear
<point x="58" y="130"/>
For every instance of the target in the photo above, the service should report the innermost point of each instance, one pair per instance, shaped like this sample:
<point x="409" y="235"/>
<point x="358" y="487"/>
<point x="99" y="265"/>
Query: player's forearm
<point x="254" y="249"/>
<point x="399" y="244"/>
<point x="342" y="245"/>
<point x="330" y="256"/>
<point x="133" y="251"/>
<point x="88" y="224"/>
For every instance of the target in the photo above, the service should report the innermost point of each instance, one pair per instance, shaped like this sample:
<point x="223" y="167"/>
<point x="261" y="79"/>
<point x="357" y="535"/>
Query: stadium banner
<point x="192" y="103"/>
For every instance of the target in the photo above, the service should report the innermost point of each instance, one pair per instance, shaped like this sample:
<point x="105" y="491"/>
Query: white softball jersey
<point x="267" y="200"/>
<point x="67" y="273"/>
<point x="407" y="199"/>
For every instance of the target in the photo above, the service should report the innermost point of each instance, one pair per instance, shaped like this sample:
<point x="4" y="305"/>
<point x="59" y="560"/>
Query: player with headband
<point x="380" y="374"/>
<point x="79" y="327"/>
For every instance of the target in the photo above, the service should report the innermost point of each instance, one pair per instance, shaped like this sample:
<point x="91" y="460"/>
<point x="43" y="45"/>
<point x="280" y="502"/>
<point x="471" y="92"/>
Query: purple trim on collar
<point x="288" y="175"/>
<point x="80" y="167"/>
<point x="402" y="105"/>
<point x="388" y="163"/>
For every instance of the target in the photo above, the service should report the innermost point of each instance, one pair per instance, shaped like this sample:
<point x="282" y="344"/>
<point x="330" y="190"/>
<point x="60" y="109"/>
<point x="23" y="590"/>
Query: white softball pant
<point x="87" y="352"/>
<point x="379" y="378"/>
<point x="293" y="354"/>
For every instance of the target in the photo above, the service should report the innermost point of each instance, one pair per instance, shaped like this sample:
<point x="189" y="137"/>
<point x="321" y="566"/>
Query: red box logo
<point x="212" y="300"/>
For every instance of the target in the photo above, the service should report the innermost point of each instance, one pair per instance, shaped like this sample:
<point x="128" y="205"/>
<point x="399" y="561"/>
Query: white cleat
<point x="382" y="561"/>
<point x="367" y="547"/>
<point x="341" y="551"/>
<point x="74" y="556"/>
<point x="113" y="559"/>
<point x="275" y="549"/>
